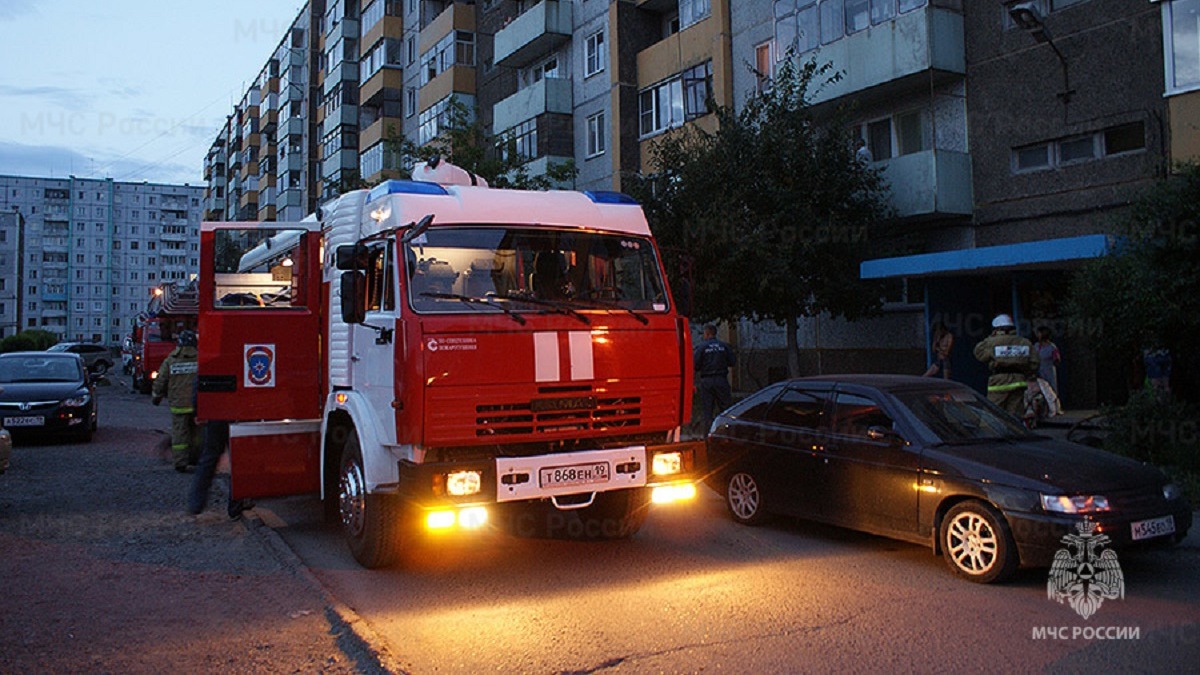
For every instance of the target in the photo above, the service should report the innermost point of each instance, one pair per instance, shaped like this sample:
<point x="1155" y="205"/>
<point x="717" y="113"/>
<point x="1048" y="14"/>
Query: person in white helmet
<point x="1011" y="360"/>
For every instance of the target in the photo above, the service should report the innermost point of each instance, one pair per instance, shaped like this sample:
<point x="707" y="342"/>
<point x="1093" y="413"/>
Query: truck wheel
<point x="372" y="524"/>
<point x="614" y="515"/>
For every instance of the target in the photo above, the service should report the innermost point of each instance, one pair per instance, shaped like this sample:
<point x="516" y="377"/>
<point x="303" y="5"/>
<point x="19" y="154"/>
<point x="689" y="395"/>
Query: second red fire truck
<point x="434" y="355"/>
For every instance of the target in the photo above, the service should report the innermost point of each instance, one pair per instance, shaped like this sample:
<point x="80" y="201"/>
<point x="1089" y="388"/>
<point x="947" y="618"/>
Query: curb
<point x="357" y="640"/>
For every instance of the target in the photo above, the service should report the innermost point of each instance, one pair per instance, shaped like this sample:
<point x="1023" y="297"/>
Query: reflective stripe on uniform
<point x="1007" y="387"/>
<point x="182" y="411"/>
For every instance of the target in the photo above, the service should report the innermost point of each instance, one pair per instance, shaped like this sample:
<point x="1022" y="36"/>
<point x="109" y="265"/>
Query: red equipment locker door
<point x="260" y="361"/>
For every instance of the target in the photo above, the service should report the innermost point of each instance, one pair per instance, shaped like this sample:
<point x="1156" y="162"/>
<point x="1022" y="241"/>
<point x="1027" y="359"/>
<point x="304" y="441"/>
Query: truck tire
<point x="614" y="515"/>
<point x="372" y="524"/>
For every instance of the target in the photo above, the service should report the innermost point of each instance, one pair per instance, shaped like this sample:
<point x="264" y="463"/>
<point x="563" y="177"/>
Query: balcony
<point x="378" y="130"/>
<point x="294" y="126"/>
<point x="343" y="160"/>
<point x="537" y="32"/>
<point x="346" y="71"/>
<point x="347" y="114"/>
<point x="290" y="197"/>
<point x="550" y="95"/>
<point x="929" y="183"/>
<point x="293" y="161"/>
<point x="902" y="53"/>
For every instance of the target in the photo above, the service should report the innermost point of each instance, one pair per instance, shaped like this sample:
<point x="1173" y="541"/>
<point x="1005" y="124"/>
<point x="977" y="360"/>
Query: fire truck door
<point x="375" y="340"/>
<point x="259" y="364"/>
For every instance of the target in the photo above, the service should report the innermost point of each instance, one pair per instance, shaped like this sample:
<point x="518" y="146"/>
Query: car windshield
<point x="961" y="415"/>
<point x="15" y="369"/>
<point x="531" y="269"/>
<point x="60" y="347"/>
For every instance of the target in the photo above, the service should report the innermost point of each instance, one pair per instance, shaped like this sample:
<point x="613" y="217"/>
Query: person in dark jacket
<point x="713" y="360"/>
<point x="177" y="382"/>
<point x="1012" y="362"/>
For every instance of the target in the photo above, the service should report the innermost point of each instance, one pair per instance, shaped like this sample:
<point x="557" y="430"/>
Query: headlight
<point x="1074" y="503"/>
<point x="154" y="375"/>
<point x="461" y="483"/>
<point x="667" y="463"/>
<point x="78" y="401"/>
<point x="1171" y="491"/>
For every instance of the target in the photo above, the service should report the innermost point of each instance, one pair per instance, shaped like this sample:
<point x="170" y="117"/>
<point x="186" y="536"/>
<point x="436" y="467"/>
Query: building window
<point x="1112" y="141"/>
<point x="697" y="87"/>
<point x="520" y="143"/>
<point x="1077" y="150"/>
<point x="912" y="132"/>
<point x="858" y="15"/>
<point x="593" y="54"/>
<point x="545" y="69"/>
<point x="692" y="11"/>
<point x="410" y="101"/>
<point x="457" y="48"/>
<point x="1181" y="35"/>
<point x="785" y="26"/>
<point x="808" y="26"/>
<point x="434" y="120"/>
<point x="1124" y="138"/>
<point x="879" y="139"/>
<point x="764" y="66"/>
<point x="660" y="107"/>
<point x="595" y="135"/>
<point x="833" y="23"/>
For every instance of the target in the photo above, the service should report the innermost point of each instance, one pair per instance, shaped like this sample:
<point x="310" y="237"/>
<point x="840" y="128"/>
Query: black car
<point x="47" y="392"/>
<point x="932" y="462"/>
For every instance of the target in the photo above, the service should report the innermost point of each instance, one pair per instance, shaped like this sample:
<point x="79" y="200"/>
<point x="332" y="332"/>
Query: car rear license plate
<point x="25" y="421"/>
<point x="1155" y="527"/>
<point x="575" y="474"/>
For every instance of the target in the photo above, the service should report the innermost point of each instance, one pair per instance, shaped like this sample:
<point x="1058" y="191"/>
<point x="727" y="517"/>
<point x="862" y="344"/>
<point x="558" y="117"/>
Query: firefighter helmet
<point x="1002" y="321"/>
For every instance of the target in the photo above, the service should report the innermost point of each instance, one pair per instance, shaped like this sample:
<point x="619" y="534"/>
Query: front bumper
<point x="1039" y="536"/>
<point x="528" y="478"/>
<point x="57" y="420"/>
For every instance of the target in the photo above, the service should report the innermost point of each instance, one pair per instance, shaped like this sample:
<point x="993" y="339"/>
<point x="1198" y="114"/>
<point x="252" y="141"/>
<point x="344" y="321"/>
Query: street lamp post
<point x="1026" y="16"/>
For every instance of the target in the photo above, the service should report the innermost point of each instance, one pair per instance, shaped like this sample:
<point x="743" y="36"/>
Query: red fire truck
<point x="434" y="354"/>
<point x="173" y="308"/>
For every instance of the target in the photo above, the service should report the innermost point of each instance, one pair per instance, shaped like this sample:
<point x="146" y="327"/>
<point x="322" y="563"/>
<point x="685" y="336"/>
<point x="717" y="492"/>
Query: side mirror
<point x="351" y="257"/>
<point x="353" y="292"/>
<point x="883" y="434"/>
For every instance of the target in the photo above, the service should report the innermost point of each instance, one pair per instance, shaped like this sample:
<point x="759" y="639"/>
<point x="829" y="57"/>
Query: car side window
<point x="799" y="408"/>
<point x="854" y="415"/>
<point x="755" y="406"/>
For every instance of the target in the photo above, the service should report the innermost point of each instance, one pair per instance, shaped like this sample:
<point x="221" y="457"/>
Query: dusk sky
<point x="133" y="90"/>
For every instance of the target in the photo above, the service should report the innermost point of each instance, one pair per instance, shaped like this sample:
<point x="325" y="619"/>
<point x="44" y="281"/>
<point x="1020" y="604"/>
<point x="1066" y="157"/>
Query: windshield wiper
<point x="612" y="306"/>
<point x="557" y="305"/>
<point x="467" y="299"/>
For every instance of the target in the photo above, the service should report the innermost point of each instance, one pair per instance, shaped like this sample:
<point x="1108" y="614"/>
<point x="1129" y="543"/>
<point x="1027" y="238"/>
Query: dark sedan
<point x="46" y="392"/>
<point x="931" y="462"/>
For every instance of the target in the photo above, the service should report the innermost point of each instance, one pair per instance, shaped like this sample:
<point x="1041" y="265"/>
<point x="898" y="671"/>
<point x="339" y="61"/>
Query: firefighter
<point x="1012" y="362"/>
<point x="177" y="381"/>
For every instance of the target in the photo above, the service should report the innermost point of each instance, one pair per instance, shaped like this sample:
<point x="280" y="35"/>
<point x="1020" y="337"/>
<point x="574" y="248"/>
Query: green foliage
<point x="467" y="144"/>
<point x="28" y="341"/>
<point x="771" y="214"/>
<point x="1148" y="292"/>
<point x="1151" y="429"/>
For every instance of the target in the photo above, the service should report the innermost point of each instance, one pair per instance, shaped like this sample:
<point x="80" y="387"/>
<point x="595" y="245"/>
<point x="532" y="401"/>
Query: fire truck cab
<point x="436" y="354"/>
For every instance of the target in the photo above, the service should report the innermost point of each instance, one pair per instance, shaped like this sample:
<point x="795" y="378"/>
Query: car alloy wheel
<point x="744" y="498"/>
<point x="977" y="544"/>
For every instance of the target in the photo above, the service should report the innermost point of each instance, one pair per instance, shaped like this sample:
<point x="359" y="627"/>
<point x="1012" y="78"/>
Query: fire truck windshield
<point x="532" y="269"/>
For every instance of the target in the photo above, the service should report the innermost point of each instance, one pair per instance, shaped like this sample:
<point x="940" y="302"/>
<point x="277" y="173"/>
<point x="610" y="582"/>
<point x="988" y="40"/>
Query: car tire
<point x="977" y="543"/>
<point x="372" y="524"/>
<point x="743" y="498"/>
<point x="101" y="368"/>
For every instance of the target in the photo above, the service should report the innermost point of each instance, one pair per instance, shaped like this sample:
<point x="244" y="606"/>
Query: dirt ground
<point x="102" y="571"/>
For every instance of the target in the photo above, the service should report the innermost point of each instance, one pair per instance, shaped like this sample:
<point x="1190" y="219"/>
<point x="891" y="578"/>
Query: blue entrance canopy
<point x="1044" y="254"/>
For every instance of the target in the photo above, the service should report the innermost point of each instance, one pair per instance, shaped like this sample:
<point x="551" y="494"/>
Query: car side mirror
<point x="353" y="291"/>
<point x="351" y="257"/>
<point x="884" y="434"/>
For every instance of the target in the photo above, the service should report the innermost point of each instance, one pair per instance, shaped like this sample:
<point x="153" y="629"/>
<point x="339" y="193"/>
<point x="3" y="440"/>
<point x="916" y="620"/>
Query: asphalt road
<point x="696" y="592"/>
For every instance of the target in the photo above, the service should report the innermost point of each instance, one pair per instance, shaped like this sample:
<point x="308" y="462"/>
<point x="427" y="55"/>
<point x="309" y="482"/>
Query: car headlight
<point x="1074" y="503"/>
<point x="666" y="463"/>
<point x="462" y="483"/>
<point x="1171" y="491"/>
<point x="78" y="401"/>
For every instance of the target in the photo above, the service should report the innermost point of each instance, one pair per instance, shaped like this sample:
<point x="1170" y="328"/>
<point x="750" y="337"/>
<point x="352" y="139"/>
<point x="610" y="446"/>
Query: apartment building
<point x="79" y="257"/>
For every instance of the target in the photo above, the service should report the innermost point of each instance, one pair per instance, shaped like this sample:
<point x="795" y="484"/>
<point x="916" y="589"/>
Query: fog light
<point x="473" y="517"/>
<point x="667" y="463"/>
<point x="461" y="483"/>
<point x="666" y="494"/>
<point x="439" y="520"/>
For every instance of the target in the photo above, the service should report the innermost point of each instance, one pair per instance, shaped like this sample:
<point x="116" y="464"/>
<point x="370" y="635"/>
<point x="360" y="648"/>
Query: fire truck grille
<point x="520" y="418"/>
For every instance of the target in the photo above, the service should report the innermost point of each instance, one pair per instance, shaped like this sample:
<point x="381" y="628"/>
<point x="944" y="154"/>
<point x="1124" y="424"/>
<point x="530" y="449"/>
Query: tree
<point x="1148" y="290"/>
<point x="772" y="210"/>
<point x="468" y="145"/>
<point x="29" y="341"/>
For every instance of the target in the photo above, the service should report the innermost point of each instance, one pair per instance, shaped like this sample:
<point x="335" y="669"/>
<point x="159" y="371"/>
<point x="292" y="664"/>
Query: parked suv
<point x="97" y="358"/>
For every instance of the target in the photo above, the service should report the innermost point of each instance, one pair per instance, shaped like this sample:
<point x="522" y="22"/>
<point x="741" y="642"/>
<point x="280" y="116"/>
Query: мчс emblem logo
<point x="1084" y="576"/>
<point x="259" y="366"/>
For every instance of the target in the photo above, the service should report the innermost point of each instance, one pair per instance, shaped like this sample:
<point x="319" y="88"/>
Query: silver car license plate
<point x="575" y="474"/>
<point x="1155" y="527"/>
<point x="31" y="421"/>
